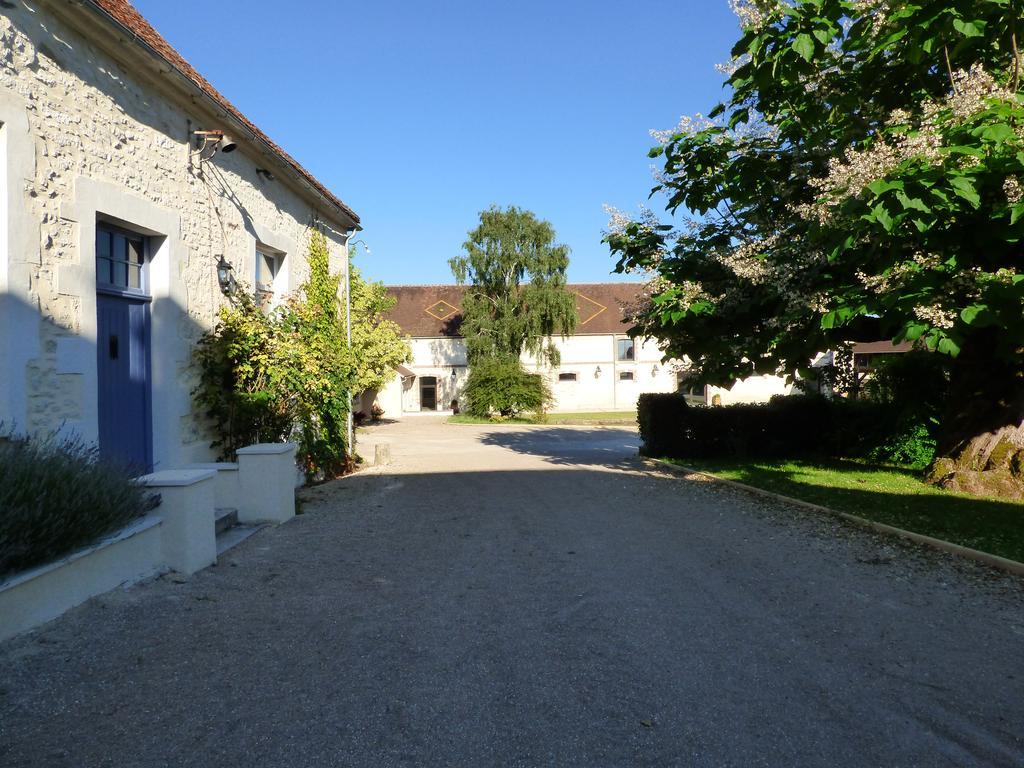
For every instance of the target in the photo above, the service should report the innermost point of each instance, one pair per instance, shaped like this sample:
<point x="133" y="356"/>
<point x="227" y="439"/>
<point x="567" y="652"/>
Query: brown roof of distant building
<point x="429" y="311"/>
<point x="124" y="14"/>
<point x="881" y="347"/>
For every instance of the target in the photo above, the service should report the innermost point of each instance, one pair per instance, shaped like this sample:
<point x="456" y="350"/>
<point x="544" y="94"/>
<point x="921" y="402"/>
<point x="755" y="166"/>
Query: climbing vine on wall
<point x="283" y="374"/>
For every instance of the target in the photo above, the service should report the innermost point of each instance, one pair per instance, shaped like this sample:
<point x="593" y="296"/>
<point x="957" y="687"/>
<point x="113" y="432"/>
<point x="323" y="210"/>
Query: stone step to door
<point x="235" y="536"/>
<point x="225" y="519"/>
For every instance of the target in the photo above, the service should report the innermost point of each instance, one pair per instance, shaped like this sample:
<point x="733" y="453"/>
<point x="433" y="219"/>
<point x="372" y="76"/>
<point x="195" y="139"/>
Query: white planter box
<point x="34" y="597"/>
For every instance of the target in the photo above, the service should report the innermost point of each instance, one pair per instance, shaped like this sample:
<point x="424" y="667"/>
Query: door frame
<point x="434" y="386"/>
<point x="142" y="296"/>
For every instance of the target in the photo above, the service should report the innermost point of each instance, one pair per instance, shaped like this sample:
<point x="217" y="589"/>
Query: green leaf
<point x="804" y="46"/>
<point x="971" y="313"/>
<point x="1016" y="212"/>
<point x="969" y="28"/>
<point x="879" y="214"/>
<point x="1000" y="132"/>
<point x="948" y="347"/>
<point x="911" y="332"/>
<point x="964" y="188"/>
<point x="881" y="186"/>
<point x="823" y="35"/>
<point x="915" y="203"/>
<point x="740" y="116"/>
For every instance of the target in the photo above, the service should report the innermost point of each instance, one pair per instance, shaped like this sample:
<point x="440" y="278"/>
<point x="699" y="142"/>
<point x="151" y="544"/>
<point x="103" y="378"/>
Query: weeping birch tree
<point x="516" y="300"/>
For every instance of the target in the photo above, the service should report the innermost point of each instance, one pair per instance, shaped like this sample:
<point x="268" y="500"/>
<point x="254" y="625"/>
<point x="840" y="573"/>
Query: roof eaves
<point x="206" y="91"/>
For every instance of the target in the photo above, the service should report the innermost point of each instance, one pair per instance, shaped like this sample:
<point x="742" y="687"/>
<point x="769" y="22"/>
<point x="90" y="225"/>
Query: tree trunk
<point x="981" y="448"/>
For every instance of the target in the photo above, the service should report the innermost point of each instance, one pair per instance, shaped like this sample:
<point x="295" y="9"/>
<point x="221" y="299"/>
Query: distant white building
<point x="601" y="369"/>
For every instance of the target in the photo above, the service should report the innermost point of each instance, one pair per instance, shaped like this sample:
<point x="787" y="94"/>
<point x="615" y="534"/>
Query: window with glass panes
<point x="625" y="349"/>
<point x="267" y="266"/>
<point x="120" y="259"/>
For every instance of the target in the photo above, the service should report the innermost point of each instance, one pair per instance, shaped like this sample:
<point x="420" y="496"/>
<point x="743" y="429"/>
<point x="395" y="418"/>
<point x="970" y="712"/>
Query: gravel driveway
<point x="504" y="596"/>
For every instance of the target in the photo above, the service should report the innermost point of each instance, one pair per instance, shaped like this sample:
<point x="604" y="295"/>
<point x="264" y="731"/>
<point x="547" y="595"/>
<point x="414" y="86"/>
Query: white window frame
<point x="274" y="290"/>
<point x="629" y="359"/>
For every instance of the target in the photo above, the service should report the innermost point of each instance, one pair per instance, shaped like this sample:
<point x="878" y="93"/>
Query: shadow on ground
<point x="595" y="446"/>
<point x="560" y="616"/>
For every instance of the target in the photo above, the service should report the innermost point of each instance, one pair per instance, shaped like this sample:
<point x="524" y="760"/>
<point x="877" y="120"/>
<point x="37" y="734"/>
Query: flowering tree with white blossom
<point x="863" y="179"/>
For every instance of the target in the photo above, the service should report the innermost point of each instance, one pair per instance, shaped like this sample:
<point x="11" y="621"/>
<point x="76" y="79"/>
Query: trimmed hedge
<point x="786" y="427"/>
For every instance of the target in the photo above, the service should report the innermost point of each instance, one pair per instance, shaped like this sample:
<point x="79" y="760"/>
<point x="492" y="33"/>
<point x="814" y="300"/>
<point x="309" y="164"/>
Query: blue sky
<point x="419" y="115"/>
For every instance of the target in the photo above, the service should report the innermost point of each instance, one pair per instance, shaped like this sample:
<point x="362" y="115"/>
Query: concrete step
<point x="225" y="519"/>
<point x="235" y="536"/>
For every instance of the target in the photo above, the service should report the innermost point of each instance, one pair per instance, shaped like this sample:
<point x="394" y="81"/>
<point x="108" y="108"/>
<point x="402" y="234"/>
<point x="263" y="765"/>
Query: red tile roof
<point x="123" y="13"/>
<point x="428" y="311"/>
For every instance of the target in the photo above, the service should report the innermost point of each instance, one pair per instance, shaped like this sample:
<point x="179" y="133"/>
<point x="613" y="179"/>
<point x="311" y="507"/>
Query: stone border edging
<point x="577" y="423"/>
<point x="994" y="561"/>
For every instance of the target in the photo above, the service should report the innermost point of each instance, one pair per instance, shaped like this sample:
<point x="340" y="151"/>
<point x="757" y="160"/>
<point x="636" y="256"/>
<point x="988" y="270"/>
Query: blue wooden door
<point x="122" y="361"/>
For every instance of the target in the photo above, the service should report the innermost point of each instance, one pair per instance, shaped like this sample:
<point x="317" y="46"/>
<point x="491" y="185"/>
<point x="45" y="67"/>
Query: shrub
<point x="503" y="387"/>
<point x="282" y="375"/>
<point x="654" y="410"/>
<point x="913" y="446"/>
<point x="800" y="426"/>
<point x="57" y="497"/>
<point x="242" y="383"/>
<point x="916" y="381"/>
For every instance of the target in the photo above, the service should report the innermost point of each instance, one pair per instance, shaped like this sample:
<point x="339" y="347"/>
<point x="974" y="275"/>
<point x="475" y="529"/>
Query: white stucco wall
<point x="605" y="391"/>
<point x="756" y="389"/>
<point x="581" y="355"/>
<point x="88" y="132"/>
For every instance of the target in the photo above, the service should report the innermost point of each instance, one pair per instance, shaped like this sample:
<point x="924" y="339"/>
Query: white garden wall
<point x="44" y="593"/>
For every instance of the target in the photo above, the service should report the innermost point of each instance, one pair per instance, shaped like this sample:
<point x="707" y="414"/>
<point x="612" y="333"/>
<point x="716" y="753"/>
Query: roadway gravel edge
<point x="994" y="561"/>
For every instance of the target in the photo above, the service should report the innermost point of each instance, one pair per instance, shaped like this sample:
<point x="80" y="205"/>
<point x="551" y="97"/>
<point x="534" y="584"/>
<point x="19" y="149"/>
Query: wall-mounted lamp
<point x="597" y="373"/>
<point x="654" y="370"/>
<point x="361" y="242"/>
<point x="208" y="143"/>
<point x="454" y="375"/>
<point x="226" y="277"/>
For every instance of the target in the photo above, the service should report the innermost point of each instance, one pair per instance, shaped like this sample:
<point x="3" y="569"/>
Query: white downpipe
<point x="349" y="430"/>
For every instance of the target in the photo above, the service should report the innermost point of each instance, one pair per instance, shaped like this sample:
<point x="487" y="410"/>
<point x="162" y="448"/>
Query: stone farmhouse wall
<point x="92" y="131"/>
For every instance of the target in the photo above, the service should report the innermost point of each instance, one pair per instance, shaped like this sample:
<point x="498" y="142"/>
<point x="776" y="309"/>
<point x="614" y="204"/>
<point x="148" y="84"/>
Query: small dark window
<point x="626" y="376"/>
<point x="693" y="392"/>
<point x="268" y="265"/>
<point x="567" y="377"/>
<point x="120" y="259"/>
<point x="625" y="349"/>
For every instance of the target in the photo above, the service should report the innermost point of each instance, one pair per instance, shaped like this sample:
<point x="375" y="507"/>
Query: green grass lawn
<point x="887" y="495"/>
<point x="465" y="418"/>
<point x="579" y="418"/>
<point x="554" y="418"/>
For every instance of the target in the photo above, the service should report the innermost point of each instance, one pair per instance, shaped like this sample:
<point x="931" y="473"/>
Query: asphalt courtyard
<point x="524" y="596"/>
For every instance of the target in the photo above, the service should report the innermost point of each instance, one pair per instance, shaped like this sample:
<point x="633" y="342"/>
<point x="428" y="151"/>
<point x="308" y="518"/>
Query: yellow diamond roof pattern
<point x="587" y="308"/>
<point x="441" y="310"/>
